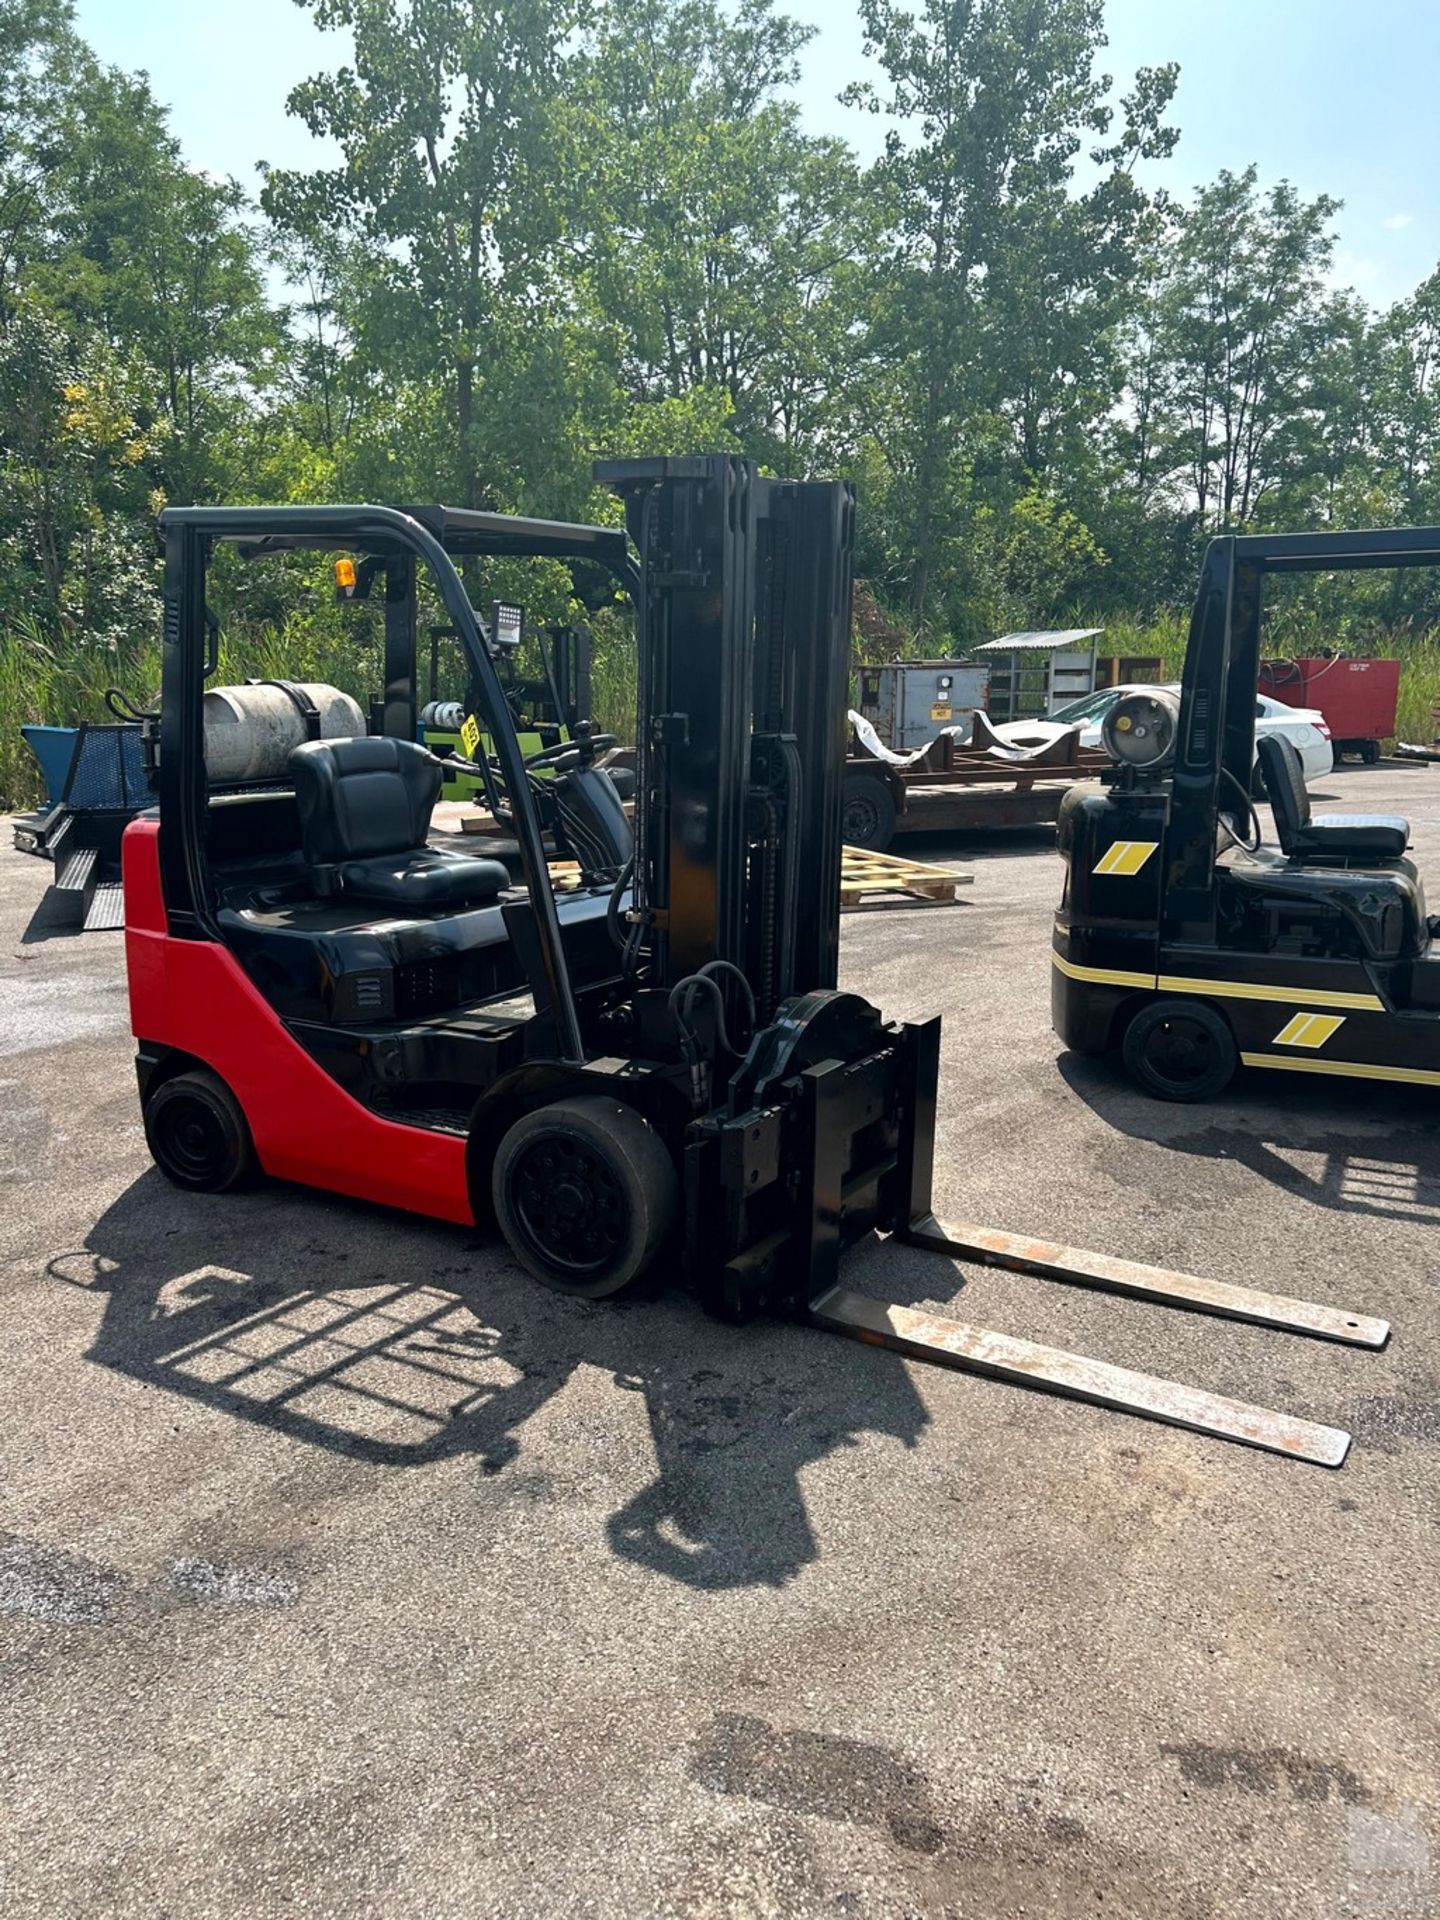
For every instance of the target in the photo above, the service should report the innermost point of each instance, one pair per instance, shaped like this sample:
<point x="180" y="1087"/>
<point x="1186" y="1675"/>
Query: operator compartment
<point x="331" y="896"/>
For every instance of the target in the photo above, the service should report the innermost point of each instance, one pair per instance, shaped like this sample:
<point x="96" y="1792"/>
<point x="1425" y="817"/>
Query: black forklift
<point x="656" y="1067"/>
<point x="1182" y="938"/>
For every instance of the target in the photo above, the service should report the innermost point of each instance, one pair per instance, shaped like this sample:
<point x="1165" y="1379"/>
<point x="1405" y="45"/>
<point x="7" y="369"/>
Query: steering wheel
<point x="552" y="756"/>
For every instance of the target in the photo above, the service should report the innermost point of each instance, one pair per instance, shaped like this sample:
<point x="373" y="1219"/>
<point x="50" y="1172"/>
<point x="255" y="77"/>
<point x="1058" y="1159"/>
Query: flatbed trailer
<point x="974" y="807"/>
<point x="957" y="790"/>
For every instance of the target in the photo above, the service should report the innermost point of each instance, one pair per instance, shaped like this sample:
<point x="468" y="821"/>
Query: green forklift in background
<point x="548" y="706"/>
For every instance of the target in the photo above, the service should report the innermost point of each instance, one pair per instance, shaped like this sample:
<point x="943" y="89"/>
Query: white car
<point x="1303" y="727"/>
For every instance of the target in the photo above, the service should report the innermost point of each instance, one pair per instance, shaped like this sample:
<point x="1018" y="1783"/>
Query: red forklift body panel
<point x="1357" y="697"/>
<point x="193" y="996"/>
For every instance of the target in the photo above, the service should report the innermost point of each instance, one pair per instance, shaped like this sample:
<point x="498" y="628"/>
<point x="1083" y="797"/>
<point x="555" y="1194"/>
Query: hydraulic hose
<point x="683" y="996"/>
<point x="619" y="935"/>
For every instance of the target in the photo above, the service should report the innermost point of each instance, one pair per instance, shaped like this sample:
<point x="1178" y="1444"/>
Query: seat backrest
<point x="1285" y="783"/>
<point x="593" y="821"/>
<point x="359" y="798"/>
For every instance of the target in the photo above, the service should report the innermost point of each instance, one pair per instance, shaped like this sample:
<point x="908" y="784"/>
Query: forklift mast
<point x="743" y="643"/>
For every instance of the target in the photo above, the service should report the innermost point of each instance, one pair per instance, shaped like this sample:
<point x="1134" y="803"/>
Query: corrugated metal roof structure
<point x="1039" y="642"/>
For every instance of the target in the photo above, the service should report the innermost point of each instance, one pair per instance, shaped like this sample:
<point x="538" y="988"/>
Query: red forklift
<point x="1186" y="942"/>
<point x="656" y="1066"/>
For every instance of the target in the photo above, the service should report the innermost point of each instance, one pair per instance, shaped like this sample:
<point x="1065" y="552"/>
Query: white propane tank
<point x="250" y="731"/>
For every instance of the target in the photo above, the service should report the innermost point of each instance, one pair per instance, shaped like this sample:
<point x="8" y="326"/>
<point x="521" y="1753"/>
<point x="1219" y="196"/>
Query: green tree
<point x="39" y="50"/>
<point x="994" y="99"/>
<point x="76" y="465"/>
<point x="720" y="238"/>
<point x="455" y="171"/>
<point x="1242" y="316"/>
<point x="152" y="254"/>
<point x="1405" y="400"/>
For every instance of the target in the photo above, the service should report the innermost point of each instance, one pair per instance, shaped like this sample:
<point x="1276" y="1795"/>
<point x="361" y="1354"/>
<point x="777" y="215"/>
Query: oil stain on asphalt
<point x="852" y="1781"/>
<point x="46" y="1583"/>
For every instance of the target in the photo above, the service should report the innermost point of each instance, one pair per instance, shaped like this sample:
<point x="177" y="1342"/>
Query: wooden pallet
<point x="861" y="873"/>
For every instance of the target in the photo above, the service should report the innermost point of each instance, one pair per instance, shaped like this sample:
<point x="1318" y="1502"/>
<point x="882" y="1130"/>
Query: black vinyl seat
<point x="592" y="818"/>
<point x="365" y="807"/>
<point x="1358" y="837"/>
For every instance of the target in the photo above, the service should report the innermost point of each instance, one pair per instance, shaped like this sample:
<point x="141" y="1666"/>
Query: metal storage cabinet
<point x="909" y="701"/>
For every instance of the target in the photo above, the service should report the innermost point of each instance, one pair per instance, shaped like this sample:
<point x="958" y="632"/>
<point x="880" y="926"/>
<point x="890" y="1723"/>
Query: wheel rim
<point x="193" y="1138"/>
<point x="1181" y="1052"/>
<point x="861" y="819"/>
<point x="569" y="1205"/>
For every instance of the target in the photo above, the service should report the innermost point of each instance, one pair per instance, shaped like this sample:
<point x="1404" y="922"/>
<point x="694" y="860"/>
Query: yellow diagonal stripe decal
<point x="1309" y="1030"/>
<point x="1125" y="856"/>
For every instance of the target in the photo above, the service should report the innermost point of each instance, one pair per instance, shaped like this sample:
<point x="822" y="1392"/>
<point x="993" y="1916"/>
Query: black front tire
<point x="1181" y="1050"/>
<point x="197" y="1132"/>
<point x="1370" y="753"/>
<point x="867" y="813"/>
<point x="586" y="1193"/>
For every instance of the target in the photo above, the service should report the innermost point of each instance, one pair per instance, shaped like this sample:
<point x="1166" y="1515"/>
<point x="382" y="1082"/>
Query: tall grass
<point x="62" y="682"/>
<point x="1419" y="685"/>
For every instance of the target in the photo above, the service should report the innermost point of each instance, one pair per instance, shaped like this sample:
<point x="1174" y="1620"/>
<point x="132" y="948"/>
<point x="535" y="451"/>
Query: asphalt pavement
<point x="343" y="1571"/>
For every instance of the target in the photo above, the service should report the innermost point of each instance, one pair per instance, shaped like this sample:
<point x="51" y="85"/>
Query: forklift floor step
<point x="77" y="875"/>
<point x="454" y="1120"/>
<point x="1001" y="1356"/>
<point x="106" y="913"/>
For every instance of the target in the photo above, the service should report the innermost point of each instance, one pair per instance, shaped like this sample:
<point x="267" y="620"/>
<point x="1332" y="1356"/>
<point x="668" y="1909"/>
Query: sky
<point x="1336" y="99"/>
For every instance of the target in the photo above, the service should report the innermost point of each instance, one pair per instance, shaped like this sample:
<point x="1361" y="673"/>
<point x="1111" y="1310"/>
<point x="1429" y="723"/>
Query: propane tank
<point x="250" y="731"/>
<point x="447" y="716"/>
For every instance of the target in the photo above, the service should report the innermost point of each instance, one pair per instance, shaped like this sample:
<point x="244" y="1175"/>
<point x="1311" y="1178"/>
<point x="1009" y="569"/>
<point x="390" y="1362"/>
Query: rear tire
<point x="1180" y="1050"/>
<point x="585" y="1192"/>
<point x="867" y="813"/>
<point x="1370" y="753"/>
<point x="197" y="1133"/>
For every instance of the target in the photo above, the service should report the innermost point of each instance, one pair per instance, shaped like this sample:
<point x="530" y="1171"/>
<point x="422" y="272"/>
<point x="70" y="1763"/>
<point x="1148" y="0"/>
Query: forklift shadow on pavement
<point x="399" y="1343"/>
<point x="1375" y="1153"/>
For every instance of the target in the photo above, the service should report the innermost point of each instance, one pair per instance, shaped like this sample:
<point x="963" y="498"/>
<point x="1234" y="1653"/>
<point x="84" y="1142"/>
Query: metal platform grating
<point x="107" y="908"/>
<point x="75" y="875"/>
<point x="432" y="1119"/>
<point x="108" y="771"/>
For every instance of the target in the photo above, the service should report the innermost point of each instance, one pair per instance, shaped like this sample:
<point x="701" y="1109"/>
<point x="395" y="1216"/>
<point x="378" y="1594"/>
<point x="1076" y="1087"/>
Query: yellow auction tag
<point x="470" y="735"/>
<point x="939" y="713"/>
